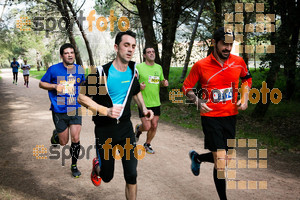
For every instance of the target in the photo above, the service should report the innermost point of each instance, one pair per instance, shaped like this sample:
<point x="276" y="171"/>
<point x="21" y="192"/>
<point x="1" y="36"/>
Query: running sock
<point x="206" y="157"/>
<point x="220" y="186"/>
<point x="74" y="151"/>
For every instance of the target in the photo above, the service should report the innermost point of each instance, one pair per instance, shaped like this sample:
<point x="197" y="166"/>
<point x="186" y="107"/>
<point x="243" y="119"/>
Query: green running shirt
<point x="151" y="76"/>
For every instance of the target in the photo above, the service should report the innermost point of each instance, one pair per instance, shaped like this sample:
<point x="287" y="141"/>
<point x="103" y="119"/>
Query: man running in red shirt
<point x="219" y="75"/>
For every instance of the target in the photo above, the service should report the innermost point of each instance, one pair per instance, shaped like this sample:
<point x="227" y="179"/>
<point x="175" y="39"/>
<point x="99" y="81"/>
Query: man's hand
<point x="202" y="105"/>
<point x="114" y="112"/>
<point x="142" y="85"/>
<point x="59" y="88"/>
<point x="242" y="106"/>
<point x="165" y="83"/>
<point x="243" y="102"/>
<point x="148" y="114"/>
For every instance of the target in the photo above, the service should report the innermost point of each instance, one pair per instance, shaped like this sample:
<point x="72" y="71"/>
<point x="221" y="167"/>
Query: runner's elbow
<point x="40" y="85"/>
<point x="81" y="100"/>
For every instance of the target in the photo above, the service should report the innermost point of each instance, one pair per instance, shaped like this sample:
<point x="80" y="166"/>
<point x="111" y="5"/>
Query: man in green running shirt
<point x="151" y="78"/>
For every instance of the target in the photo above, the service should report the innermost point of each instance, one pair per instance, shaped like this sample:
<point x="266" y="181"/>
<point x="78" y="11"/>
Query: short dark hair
<point x="147" y="47"/>
<point x="220" y="33"/>
<point x="120" y="34"/>
<point x="65" y="46"/>
<point x="14" y="58"/>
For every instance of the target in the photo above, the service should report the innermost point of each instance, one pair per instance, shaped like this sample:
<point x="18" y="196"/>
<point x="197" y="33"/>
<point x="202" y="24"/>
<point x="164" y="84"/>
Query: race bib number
<point x="68" y="87"/>
<point x="153" y="79"/>
<point x="222" y="95"/>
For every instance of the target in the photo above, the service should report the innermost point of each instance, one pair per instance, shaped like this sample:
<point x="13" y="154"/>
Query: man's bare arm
<point x="141" y="104"/>
<point x="199" y="102"/>
<point x="48" y="86"/>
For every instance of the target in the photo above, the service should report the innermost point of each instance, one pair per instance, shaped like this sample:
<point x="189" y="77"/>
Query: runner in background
<point x="151" y="78"/>
<point x="25" y="69"/>
<point x="15" y="69"/>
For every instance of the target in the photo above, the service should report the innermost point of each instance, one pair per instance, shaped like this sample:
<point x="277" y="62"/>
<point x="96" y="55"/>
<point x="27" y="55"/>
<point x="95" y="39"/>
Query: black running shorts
<point x="217" y="130"/>
<point x="63" y="121"/>
<point x="156" y="111"/>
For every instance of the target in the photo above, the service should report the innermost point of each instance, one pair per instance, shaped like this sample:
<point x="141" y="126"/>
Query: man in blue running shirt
<point x="15" y="69"/>
<point x="62" y="81"/>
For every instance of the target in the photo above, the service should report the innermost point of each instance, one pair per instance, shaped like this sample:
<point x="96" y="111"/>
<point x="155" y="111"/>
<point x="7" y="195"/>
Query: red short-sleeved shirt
<point x="219" y="84"/>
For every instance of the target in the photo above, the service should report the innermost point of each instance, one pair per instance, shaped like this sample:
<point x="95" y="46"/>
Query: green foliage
<point x="259" y="76"/>
<point x="174" y="77"/>
<point x="37" y="74"/>
<point x="277" y="131"/>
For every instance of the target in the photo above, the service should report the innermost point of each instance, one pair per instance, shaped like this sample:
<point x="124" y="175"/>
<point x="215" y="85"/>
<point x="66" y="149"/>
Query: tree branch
<point x="51" y="2"/>
<point x="80" y="7"/>
<point x="188" y="5"/>
<point x="130" y="11"/>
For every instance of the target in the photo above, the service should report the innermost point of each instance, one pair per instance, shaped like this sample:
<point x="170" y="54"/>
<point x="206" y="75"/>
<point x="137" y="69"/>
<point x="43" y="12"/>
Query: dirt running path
<point x="25" y="121"/>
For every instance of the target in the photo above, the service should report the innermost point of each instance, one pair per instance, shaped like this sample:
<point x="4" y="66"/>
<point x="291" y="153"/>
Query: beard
<point x="69" y="62"/>
<point x="221" y="55"/>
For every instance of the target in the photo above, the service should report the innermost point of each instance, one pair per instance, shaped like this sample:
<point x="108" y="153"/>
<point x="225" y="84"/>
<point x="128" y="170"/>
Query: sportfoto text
<point x="63" y="24"/>
<point x="56" y="152"/>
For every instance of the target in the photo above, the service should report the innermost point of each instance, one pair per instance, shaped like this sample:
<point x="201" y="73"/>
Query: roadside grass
<point x="37" y="74"/>
<point x="277" y="131"/>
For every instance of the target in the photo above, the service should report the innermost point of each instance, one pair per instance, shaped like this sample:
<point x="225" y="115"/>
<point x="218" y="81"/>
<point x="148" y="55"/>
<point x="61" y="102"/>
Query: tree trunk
<point x="245" y="37"/>
<point x="170" y="15"/>
<point x="281" y="43"/>
<point x="140" y="45"/>
<point x="218" y="17"/>
<point x="218" y="21"/>
<point x="290" y="64"/>
<point x="87" y="43"/>
<point x="3" y="9"/>
<point x="187" y="58"/>
<point x="63" y="9"/>
<point x="146" y="11"/>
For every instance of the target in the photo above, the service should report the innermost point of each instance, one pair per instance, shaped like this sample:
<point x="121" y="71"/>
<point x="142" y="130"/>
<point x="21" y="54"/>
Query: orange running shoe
<point x="96" y="179"/>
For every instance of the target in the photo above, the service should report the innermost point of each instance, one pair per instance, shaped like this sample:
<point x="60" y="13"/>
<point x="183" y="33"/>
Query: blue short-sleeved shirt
<point x="118" y="84"/>
<point x="15" y="66"/>
<point x="70" y="78"/>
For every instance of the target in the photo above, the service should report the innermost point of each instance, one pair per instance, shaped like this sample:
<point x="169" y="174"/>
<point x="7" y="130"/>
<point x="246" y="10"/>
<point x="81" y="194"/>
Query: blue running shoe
<point x="75" y="172"/>
<point x="195" y="166"/>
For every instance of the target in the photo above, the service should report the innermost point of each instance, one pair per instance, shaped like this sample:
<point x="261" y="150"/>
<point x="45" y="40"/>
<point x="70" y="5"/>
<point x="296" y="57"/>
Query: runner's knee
<point x="62" y="142"/>
<point x="75" y="139"/>
<point x="146" y="127"/>
<point x="130" y="177"/>
<point x="154" y="126"/>
<point x="106" y="177"/>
